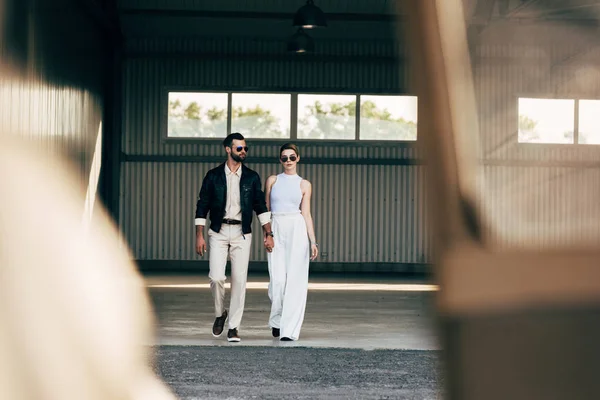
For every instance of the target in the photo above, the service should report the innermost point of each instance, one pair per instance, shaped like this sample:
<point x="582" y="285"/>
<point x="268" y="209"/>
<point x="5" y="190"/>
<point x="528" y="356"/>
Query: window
<point x="589" y="122"/>
<point x="292" y="116"/>
<point x="388" y="117"/>
<point x="546" y="120"/>
<point x="264" y="116"/>
<point x="554" y="121"/>
<point x="326" y="116"/>
<point x="199" y="115"/>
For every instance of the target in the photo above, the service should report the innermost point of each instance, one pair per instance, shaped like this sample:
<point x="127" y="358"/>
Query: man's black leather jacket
<point x="213" y="196"/>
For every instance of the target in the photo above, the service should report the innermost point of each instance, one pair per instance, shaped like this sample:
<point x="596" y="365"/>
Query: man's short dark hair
<point x="231" y="137"/>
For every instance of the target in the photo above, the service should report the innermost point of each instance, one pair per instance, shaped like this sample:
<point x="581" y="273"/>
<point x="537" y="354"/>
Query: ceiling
<point x="347" y="19"/>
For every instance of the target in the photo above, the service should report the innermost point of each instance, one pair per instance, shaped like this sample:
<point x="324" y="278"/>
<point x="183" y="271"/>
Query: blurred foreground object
<point x="515" y="324"/>
<point x="75" y="320"/>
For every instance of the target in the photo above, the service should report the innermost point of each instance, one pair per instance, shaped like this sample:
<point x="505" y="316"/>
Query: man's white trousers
<point x="288" y="270"/>
<point x="229" y="241"/>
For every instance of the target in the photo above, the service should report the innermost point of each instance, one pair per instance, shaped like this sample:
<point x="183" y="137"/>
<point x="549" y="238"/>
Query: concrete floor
<point x="252" y="372"/>
<point x="351" y="312"/>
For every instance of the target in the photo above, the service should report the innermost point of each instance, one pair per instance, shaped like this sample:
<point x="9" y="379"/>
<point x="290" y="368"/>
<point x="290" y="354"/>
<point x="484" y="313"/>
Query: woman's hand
<point x="314" y="251"/>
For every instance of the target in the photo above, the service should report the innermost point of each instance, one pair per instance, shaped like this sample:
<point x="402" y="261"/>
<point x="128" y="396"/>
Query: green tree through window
<point x="256" y="122"/>
<point x="379" y="124"/>
<point x="327" y="121"/>
<point x="190" y="120"/>
<point x="527" y="130"/>
<point x="204" y="115"/>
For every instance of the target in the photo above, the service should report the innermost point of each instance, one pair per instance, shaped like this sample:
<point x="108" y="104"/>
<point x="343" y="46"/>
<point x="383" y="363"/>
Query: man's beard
<point x="237" y="157"/>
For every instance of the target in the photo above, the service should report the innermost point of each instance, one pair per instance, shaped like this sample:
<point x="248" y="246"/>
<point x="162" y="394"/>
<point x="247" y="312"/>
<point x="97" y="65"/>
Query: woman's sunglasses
<point x="285" y="158"/>
<point x="239" y="148"/>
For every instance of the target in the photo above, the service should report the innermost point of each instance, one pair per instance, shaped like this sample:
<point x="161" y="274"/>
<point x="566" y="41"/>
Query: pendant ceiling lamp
<point x="300" y="42"/>
<point x="310" y="16"/>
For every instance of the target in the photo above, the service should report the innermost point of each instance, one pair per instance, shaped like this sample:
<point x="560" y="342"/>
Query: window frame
<point x="164" y="110"/>
<point x="576" y="101"/>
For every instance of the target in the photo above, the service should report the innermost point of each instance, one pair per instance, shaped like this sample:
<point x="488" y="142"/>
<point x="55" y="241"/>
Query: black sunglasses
<point x="239" y="148"/>
<point x="285" y="158"/>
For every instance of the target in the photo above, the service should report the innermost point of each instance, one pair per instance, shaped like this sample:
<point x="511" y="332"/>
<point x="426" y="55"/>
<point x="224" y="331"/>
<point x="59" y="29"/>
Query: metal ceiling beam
<point x="478" y="21"/>
<point x="520" y="8"/>
<point x="579" y="6"/>
<point x="106" y="17"/>
<point x="483" y="12"/>
<point x="361" y="59"/>
<point x="252" y="15"/>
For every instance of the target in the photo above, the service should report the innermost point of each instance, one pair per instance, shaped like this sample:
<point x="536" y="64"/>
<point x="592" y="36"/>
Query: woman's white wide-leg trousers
<point x="288" y="271"/>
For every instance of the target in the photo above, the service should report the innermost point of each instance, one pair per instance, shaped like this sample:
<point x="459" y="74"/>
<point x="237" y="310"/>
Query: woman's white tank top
<point x="286" y="194"/>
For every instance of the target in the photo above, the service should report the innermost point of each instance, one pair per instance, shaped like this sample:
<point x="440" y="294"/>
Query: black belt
<point x="231" y="221"/>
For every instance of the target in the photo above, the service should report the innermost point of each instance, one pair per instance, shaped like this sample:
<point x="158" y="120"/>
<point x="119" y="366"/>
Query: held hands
<point x="269" y="243"/>
<point x="200" y="245"/>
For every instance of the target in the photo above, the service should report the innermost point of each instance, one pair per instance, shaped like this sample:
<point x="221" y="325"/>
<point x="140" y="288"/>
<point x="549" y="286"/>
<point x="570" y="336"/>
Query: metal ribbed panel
<point x="504" y="73"/>
<point x="543" y="207"/>
<point x="362" y="214"/>
<point x="142" y="133"/>
<point x="328" y="6"/>
<point x="536" y="196"/>
<point x="50" y="91"/>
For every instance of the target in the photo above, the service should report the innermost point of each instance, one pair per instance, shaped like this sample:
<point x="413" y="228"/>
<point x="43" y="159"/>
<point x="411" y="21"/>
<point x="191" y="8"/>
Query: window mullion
<point x="294" y="116"/>
<point x="576" y="123"/>
<point x="357" y="118"/>
<point x="229" y="116"/>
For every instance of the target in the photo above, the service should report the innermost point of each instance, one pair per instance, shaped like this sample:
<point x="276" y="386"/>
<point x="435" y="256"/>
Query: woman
<point x="288" y="199"/>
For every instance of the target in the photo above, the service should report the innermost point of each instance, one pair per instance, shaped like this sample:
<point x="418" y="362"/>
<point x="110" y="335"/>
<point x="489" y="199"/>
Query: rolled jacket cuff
<point x="264" y="218"/>
<point x="200" y="221"/>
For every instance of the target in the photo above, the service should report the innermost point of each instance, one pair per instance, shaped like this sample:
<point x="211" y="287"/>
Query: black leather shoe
<point x="275" y="332"/>
<point x="219" y="324"/>
<point x="232" y="335"/>
<point x="286" y="339"/>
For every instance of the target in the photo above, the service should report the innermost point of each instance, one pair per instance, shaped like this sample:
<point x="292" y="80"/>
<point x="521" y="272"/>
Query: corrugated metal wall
<point x="538" y="196"/>
<point x="534" y="196"/>
<point x="51" y="80"/>
<point x="362" y="213"/>
<point x="369" y="213"/>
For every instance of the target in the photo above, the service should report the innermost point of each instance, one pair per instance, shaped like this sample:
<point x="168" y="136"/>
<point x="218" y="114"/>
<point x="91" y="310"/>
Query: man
<point x="230" y="192"/>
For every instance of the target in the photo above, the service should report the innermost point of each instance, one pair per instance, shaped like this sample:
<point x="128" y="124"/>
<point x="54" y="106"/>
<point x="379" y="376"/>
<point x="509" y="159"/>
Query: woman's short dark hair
<point x="231" y="137"/>
<point x="289" y="146"/>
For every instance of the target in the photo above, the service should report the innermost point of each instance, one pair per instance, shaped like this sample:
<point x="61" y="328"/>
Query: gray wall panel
<point x="543" y="207"/>
<point x="534" y="195"/>
<point x="51" y="81"/>
<point x="146" y="77"/>
<point x="537" y="195"/>
<point x="362" y="214"/>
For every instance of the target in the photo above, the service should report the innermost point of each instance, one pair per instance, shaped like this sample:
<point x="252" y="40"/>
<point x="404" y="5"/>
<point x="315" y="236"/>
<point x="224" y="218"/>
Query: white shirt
<point x="233" y="206"/>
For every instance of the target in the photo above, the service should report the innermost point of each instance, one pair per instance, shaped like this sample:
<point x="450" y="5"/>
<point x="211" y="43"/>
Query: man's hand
<point x="200" y="245"/>
<point x="269" y="243"/>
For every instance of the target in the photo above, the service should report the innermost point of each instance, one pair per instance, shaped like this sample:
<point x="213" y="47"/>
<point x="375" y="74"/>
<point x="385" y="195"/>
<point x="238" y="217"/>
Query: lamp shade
<point x="310" y="16"/>
<point x="300" y="42"/>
